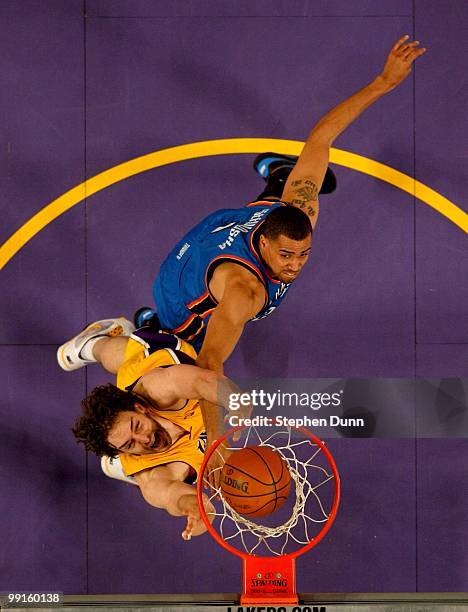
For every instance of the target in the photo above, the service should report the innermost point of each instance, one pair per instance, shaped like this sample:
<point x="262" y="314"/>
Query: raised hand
<point x="400" y="60"/>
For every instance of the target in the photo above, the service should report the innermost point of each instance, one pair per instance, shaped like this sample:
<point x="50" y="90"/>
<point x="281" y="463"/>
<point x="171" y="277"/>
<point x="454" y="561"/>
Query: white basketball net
<point x="312" y="504"/>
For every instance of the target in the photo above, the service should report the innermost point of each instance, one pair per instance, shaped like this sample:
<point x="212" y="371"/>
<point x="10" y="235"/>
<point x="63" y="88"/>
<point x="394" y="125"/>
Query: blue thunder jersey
<point x="181" y="291"/>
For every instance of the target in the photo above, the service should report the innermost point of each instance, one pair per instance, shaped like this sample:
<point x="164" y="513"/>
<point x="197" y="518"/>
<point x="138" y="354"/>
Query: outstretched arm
<point x="167" y="386"/>
<point x="240" y="297"/>
<point x="162" y="488"/>
<point x="305" y="180"/>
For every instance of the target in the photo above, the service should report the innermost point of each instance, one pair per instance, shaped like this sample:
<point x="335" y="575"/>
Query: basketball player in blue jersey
<point x="238" y="265"/>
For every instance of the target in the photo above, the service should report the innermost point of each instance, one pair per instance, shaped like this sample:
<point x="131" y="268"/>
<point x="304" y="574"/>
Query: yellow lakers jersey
<point x="141" y="356"/>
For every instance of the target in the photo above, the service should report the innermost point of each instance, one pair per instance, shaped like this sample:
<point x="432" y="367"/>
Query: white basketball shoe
<point x="69" y="354"/>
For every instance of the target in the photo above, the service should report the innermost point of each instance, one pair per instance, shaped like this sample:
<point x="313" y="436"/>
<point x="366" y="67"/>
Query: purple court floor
<point x="90" y="84"/>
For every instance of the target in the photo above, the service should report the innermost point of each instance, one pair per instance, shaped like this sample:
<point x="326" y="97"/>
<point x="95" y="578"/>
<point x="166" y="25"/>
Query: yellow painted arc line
<point x="220" y="147"/>
<point x="404" y="182"/>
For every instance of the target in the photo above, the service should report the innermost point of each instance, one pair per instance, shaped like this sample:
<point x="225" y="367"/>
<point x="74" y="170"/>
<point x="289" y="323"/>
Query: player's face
<point x="285" y="257"/>
<point x="137" y="433"/>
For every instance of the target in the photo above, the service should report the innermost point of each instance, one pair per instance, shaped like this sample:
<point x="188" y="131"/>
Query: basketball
<point x="255" y="481"/>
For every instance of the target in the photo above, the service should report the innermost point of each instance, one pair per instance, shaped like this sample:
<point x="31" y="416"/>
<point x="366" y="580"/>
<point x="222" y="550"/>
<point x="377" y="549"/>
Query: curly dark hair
<point x="287" y="221"/>
<point x="101" y="408"/>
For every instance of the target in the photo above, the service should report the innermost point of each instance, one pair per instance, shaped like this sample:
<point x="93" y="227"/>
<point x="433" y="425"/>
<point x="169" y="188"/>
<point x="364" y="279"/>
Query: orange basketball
<point x="255" y="481"/>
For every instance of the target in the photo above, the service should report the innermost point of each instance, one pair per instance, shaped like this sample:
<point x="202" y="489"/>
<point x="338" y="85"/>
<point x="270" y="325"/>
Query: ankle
<point x="93" y="348"/>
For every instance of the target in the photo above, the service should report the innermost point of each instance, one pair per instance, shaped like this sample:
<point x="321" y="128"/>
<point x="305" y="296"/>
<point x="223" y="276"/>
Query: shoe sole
<point x="138" y="314"/>
<point x="329" y="182"/>
<point x="263" y="156"/>
<point x="118" y="330"/>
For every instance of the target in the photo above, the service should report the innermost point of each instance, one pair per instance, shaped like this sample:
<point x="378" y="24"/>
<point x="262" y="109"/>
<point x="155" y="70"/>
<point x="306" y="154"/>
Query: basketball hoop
<point x="268" y="551"/>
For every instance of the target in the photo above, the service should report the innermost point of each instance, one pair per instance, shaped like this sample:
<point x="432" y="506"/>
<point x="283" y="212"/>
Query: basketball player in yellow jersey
<point x="148" y="428"/>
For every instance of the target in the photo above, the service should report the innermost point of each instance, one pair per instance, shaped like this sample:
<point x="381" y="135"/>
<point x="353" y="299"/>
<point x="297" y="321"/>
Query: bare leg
<point x="78" y="352"/>
<point x="110" y="352"/>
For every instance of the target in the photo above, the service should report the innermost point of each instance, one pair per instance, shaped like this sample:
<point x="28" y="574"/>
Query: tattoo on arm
<point x="306" y="190"/>
<point x="309" y="210"/>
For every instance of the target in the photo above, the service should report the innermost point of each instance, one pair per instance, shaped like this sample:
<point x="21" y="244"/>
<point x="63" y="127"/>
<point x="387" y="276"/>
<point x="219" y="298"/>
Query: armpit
<point x="179" y="470"/>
